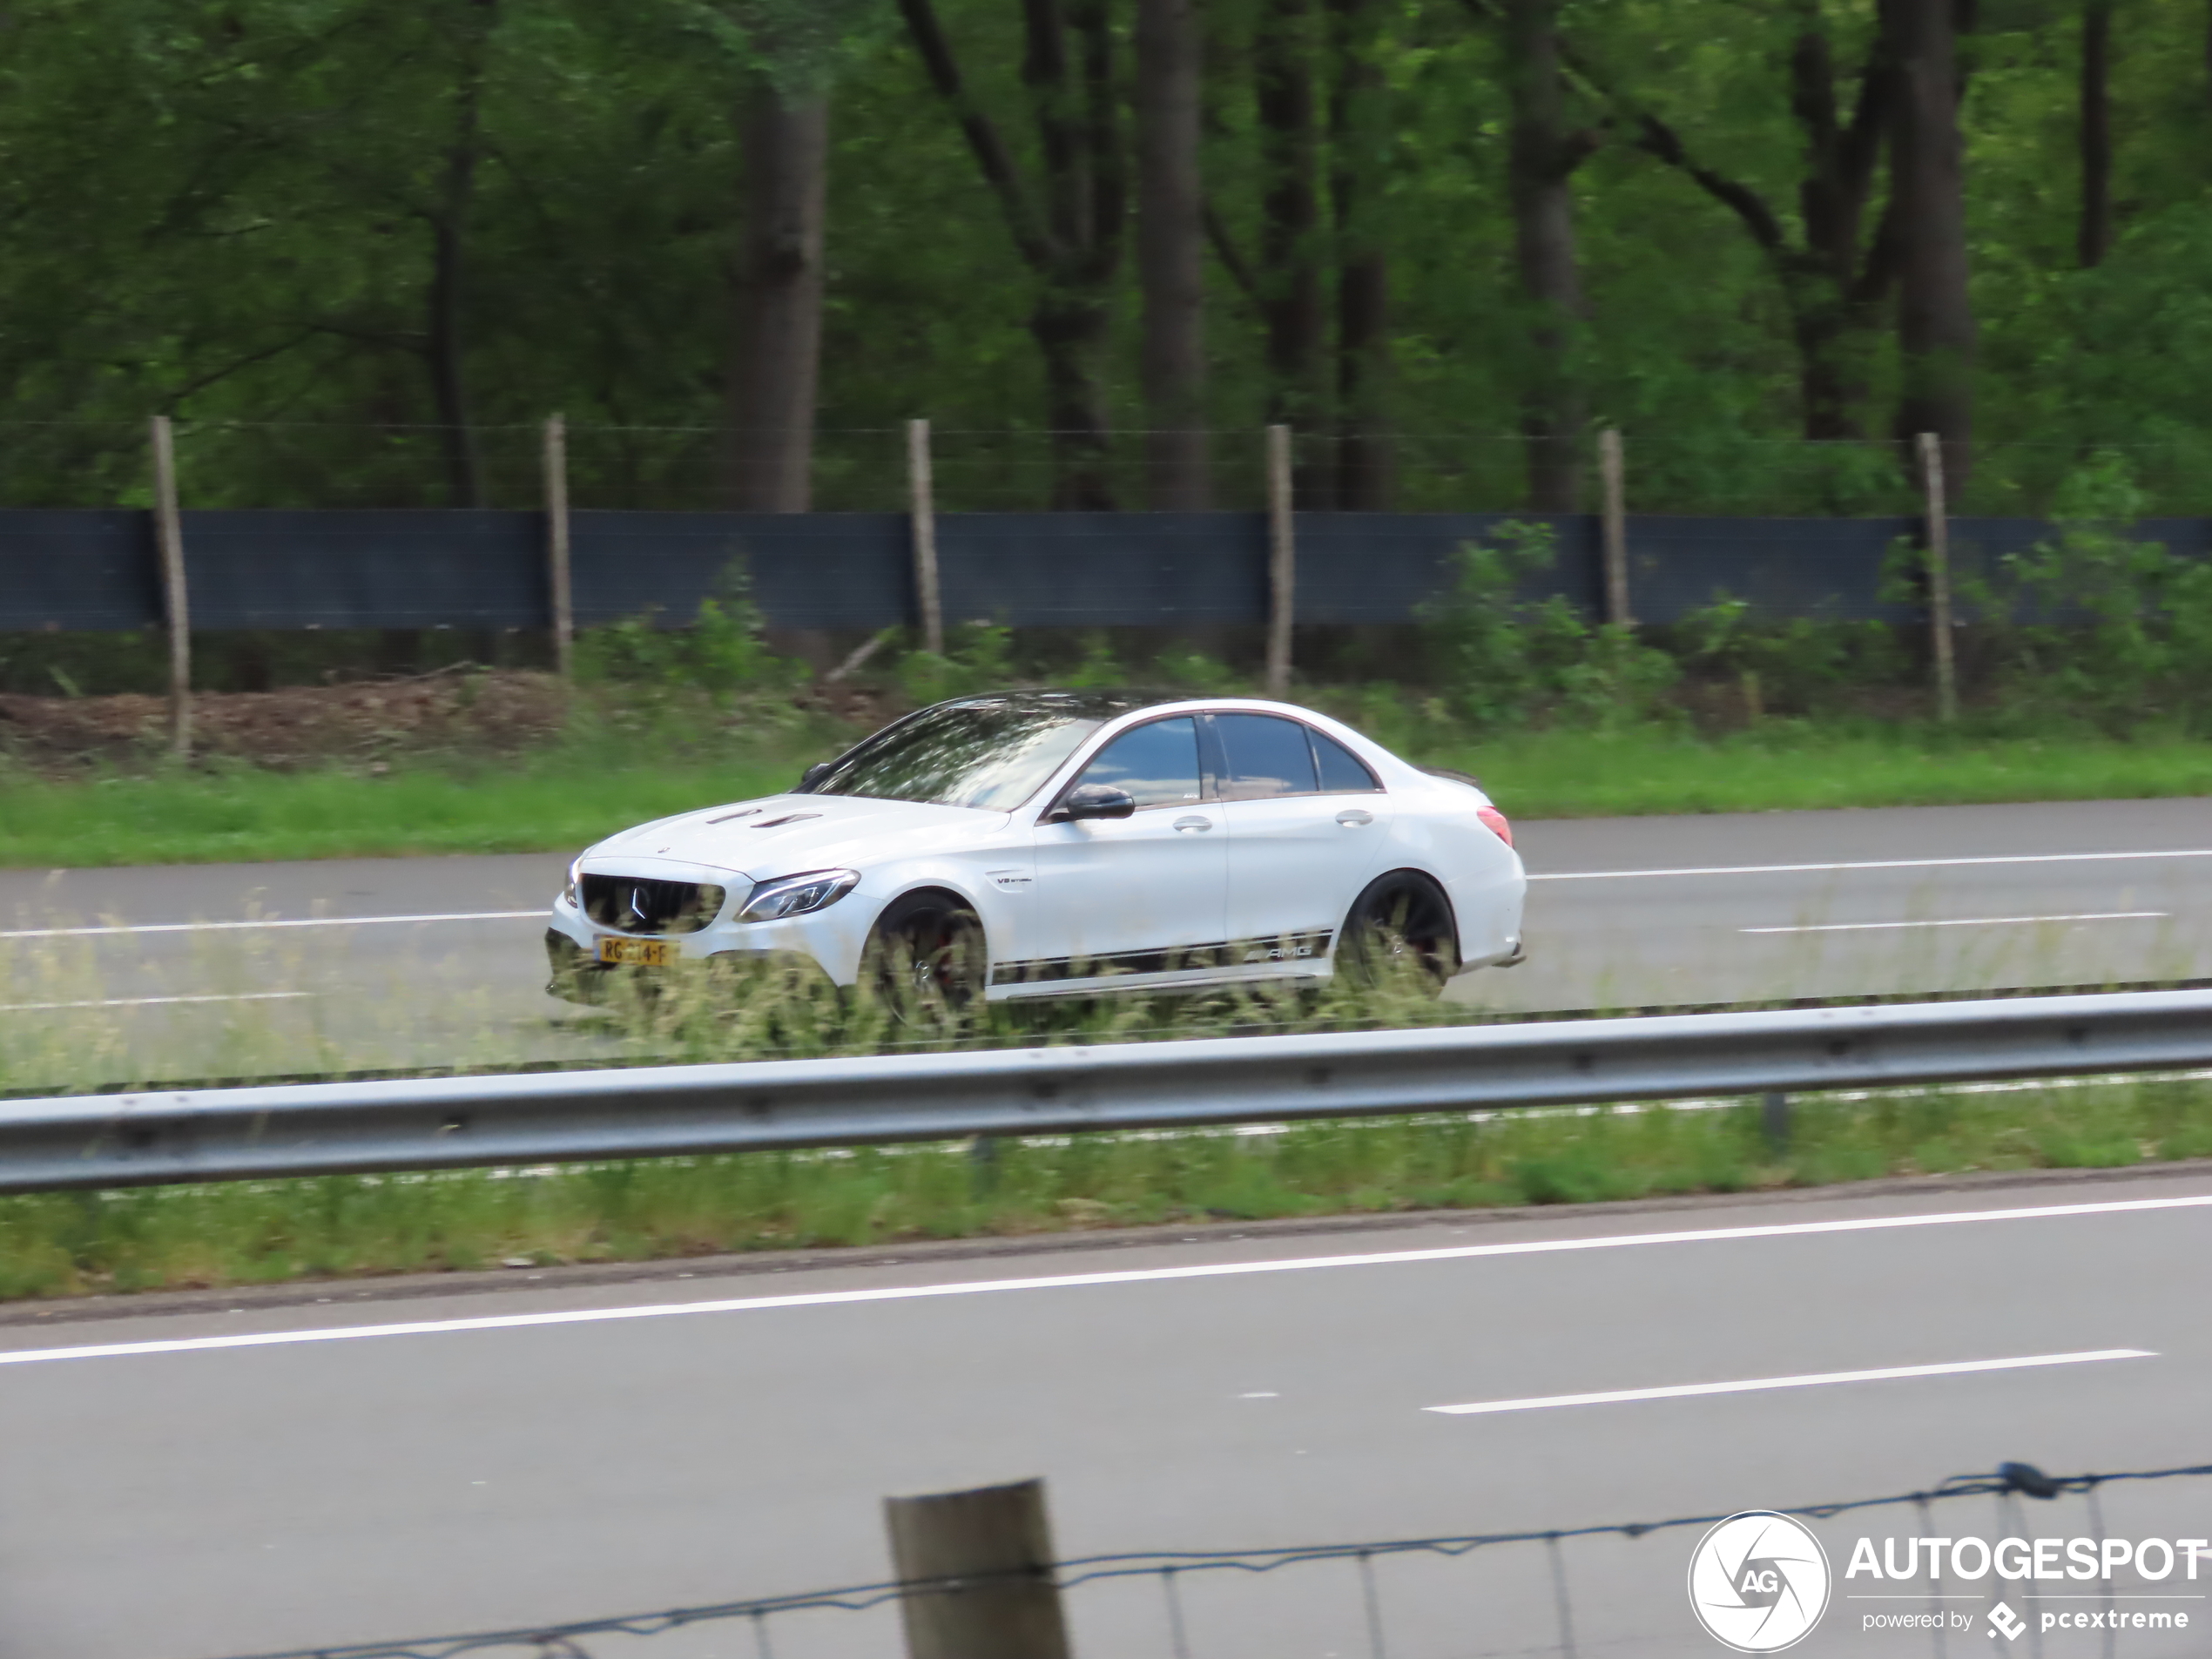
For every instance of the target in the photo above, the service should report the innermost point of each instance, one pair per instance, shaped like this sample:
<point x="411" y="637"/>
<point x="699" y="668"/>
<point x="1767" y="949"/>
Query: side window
<point x="1157" y="764"/>
<point x="1266" y="755"/>
<point x="1342" y="771"/>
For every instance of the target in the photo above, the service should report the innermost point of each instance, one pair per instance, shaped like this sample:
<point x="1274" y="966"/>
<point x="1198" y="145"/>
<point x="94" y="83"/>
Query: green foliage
<point x="2096" y="625"/>
<point x="1198" y="673"/>
<point x="267" y="254"/>
<point x="1504" y="660"/>
<point x="723" y="652"/>
<point x="979" y="657"/>
<point x="1097" y="667"/>
<point x="1798" y="666"/>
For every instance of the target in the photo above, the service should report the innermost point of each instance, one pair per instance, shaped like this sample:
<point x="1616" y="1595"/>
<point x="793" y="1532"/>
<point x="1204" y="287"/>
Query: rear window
<point x="1266" y="754"/>
<point x="1342" y="771"/>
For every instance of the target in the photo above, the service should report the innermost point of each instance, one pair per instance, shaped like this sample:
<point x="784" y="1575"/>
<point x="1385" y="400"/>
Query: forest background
<point x="360" y="250"/>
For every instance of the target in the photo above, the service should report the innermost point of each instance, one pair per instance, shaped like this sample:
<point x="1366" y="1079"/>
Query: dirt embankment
<point x="481" y="711"/>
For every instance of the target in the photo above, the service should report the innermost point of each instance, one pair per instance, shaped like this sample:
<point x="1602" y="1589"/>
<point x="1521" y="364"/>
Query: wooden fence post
<point x="176" y="601"/>
<point x="556" y="547"/>
<point x="1611" y="473"/>
<point x="990" y="1550"/>
<point x="1282" y="562"/>
<point x="922" y="496"/>
<point x="1938" y="519"/>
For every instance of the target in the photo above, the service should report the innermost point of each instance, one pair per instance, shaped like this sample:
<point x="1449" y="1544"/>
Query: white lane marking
<point x="1817" y="1380"/>
<point x="119" y="928"/>
<point x="1868" y="864"/>
<point x="152" y="1001"/>
<point x="1961" y="921"/>
<point x="1065" y="1281"/>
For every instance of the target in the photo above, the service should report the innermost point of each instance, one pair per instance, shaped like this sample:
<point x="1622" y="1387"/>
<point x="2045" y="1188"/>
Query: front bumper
<point x="828" y="941"/>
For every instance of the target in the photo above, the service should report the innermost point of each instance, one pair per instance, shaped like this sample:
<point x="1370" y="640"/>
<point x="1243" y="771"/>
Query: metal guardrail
<point x="421" y="1124"/>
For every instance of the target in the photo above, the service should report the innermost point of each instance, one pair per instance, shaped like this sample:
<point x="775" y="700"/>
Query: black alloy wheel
<point x="926" y="960"/>
<point x="1402" y="924"/>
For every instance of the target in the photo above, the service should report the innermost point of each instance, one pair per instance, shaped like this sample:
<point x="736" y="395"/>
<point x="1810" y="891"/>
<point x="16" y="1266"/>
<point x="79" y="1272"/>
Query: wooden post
<point x="1282" y="562"/>
<point x="1611" y="473"/>
<point x="1940" y="577"/>
<point x="921" y="492"/>
<point x="556" y="547"/>
<point x="990" y="1550"/>
<point x="1774" y="1120"/>
<point x="176" y="605"/>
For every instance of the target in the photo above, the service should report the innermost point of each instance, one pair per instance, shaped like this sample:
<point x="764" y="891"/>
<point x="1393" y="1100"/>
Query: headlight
<point x="794" y="895"/>
<point x="576" y="874"/>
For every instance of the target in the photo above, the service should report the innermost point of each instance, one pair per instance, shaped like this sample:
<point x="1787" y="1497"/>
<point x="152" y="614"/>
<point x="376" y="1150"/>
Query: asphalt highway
<point x="184" y="1485"/>
<point x="230" y="970"/>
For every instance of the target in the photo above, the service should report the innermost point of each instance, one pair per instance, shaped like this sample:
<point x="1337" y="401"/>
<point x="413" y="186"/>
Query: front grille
<point x="636" y="904"/>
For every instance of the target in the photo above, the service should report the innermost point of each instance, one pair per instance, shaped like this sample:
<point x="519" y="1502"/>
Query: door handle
<point x="1352" y="818"/>
<point x="1194" y="823"/>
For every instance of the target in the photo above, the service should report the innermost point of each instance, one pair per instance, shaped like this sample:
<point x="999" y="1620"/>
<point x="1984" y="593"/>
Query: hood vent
<point x="789" y="818"/>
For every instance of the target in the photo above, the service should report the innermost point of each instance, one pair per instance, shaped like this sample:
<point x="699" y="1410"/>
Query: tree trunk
<point x="1541" y="158"/>
<point x="1832" y="288"/>
<point x="1171" y="253"/>
<point x="2094" y="239"/>
<point x="1073" y="246"/>
<point x="1070" y="329"/>
<point x="1358" y="134"/>
<point x="445" y="336"/>
<point x="775" y="355"/>
<point x="1832" y="307"/>
<point x="1289" y="279"/>
<point x="1085" y="192"/>
<point x="1935" y="315"/>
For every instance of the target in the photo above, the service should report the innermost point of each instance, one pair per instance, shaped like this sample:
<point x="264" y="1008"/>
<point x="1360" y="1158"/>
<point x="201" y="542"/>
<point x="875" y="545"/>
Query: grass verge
<point x="567" y="795"/>
<point x="1571" y="774"/>
<point x="555" y="802"/>
<point x="272" y="1232"/>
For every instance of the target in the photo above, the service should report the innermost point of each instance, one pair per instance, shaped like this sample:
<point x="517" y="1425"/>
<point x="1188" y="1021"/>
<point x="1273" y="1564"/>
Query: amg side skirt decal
<point x="1234" y="953"/>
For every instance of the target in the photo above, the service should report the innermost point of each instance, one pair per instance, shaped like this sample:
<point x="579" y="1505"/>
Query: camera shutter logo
<point x="1758" y="1582"/>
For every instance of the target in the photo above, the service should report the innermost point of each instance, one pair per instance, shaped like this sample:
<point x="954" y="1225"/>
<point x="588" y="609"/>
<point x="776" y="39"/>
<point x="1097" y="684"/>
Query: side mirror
<point x="1094" y="801"/>
<point x="812" y="775"/>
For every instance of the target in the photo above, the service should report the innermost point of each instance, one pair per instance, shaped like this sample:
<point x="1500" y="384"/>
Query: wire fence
<point x="1569" y="1592"/>
<point x="863" y="469"/>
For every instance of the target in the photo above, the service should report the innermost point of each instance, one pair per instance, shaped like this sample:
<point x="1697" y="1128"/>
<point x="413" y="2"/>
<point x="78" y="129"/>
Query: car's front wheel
<point x="1400" y="926"/>
<point x="925" y="962"/>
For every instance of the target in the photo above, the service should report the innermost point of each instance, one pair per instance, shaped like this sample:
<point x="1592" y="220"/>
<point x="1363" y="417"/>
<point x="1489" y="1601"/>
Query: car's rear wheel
<point x="1401" y="927"/>
<point x="926" y="963"/>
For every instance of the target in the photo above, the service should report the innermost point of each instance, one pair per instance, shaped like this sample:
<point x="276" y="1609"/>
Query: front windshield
<point x="985" y="753"/>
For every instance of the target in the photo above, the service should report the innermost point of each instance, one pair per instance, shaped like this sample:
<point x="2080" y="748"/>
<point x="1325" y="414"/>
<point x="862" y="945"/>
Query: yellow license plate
<point x="637" y="953"/>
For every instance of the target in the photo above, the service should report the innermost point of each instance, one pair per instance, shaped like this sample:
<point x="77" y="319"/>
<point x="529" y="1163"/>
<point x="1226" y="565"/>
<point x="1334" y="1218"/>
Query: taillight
<point x="1497" y="821"/>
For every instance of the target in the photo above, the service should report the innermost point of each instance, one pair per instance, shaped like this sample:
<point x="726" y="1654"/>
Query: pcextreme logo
<point x="1758" y="1582"/>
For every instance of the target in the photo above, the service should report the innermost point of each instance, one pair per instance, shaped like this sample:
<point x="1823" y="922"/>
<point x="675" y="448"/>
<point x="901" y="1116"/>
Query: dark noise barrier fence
<point x="76" y="569"/>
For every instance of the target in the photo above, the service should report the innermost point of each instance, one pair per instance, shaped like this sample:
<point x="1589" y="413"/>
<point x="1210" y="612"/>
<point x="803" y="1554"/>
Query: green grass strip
<point x="565" y="798"/>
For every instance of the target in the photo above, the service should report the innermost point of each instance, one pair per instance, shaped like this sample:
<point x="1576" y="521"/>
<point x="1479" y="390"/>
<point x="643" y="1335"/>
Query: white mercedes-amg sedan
<point x="1029" y="844"/>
